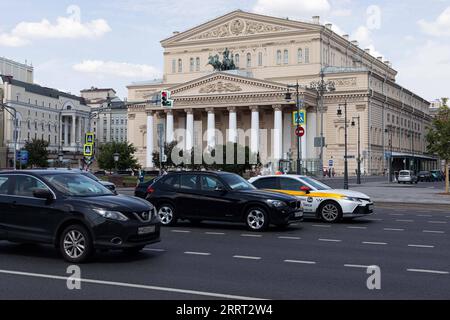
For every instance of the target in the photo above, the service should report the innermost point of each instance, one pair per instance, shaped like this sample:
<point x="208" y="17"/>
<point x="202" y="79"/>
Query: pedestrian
<point x="329" y="173"/>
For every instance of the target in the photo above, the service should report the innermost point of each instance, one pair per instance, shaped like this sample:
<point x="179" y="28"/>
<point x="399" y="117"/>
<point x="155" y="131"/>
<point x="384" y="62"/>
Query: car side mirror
<point x="43" y="194"/>
<point x="219" y="189"/>
<point x="305" y="189"/>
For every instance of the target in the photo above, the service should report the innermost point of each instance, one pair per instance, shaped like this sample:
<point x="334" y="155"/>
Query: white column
<point x="189" y="136"/>
<point x="210" y="131"/>
<point x="74" y="131"/>
<point x="232" y="125"/>
<point x="66" y="131"/>
<point x="149" y="163"/>
<point x="169" y="126"/>
<point x="277" y="133"/>
<point x="80" y="130"/>
<point x="254" y="137"/>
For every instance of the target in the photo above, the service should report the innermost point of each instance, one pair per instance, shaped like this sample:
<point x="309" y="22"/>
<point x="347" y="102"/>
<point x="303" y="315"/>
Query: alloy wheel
<point x="255" y="219"/>
<point x="165" y="214"/>
<point x="330" y="212"/>
<point x="74" y="244"/>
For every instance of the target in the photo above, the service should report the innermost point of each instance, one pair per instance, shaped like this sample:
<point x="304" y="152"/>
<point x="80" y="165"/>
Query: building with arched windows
<point x="271" y="53"/>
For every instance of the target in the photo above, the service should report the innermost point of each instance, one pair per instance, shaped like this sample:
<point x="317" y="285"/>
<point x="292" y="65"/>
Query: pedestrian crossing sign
<point x="89" y="138"/>
<point x="299" y="119"/>
<point x="88" y="150"/>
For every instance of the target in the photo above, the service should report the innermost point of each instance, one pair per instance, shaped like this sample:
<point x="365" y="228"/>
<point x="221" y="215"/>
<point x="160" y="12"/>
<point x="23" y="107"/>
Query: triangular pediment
<point x="239" y="24"/>
<point x="224" y="83"/>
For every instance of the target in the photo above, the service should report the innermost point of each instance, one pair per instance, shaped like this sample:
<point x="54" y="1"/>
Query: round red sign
<point x="300" y="131"/>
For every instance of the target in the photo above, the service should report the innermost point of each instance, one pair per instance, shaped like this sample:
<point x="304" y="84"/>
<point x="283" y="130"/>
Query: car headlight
<point x="276" y="203"/>
<point x="352" y="199"/>
<point x="113" y="215"/>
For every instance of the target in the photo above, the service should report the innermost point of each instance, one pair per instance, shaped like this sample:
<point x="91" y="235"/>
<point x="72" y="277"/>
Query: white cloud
<point x="119" y="69"/>
<point x="364" y="37"/>
<point x="292" y="8"/>
<point x="341" y="13"/>
<point x="439" y="27"/>
<point x="64" y="28"/>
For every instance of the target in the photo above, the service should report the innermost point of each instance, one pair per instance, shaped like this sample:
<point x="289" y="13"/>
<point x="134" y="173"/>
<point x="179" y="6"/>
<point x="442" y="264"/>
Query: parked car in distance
<point x="74" y="213"/>
<point x="141" y="189"/>
<point x="425" y="176"/>
<point x="438" y="175"/>
<point x="319" y="200"/>
<point x="220" y="196"/>
<point x="111" y="186"/>
<point x="407" y="176"/>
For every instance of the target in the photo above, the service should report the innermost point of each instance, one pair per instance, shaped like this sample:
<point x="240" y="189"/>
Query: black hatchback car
<point x="220" y="196"/>
<point x="74" y="213"/>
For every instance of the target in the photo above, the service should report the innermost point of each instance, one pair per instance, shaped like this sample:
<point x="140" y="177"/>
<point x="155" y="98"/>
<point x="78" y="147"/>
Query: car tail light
<point x="150" y="190"/>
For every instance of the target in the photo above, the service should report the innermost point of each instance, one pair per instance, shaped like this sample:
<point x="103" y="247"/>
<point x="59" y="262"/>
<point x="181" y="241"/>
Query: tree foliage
<point x="37" y="153"/>
<point x="126" y="152"/>
<point x="438" y="136"/>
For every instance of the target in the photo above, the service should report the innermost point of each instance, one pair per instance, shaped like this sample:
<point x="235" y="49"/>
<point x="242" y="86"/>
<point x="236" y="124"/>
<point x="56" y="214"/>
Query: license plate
<point x="146" y="230"/>
<point x="298" y="214"/>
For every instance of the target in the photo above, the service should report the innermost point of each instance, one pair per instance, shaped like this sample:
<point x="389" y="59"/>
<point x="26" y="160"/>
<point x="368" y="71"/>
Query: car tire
<point x="166" y="214"/>
<point x="330" y="212"/>
<point x="75" y="244"/>
<point x="133" y="250"/>
<point x="256" y="219"/>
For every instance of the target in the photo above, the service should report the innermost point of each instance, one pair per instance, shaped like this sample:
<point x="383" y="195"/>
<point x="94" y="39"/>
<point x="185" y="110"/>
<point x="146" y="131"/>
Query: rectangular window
<point x="188" y="182"/>
<point x="197" y="64"/>
<point x="306" y="55"/>
<point x="191" y="65"/>
<point x="286" y="57"/>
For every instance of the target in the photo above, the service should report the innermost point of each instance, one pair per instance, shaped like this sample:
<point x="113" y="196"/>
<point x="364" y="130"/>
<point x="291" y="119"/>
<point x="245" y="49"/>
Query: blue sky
<point x="78" y="44"/>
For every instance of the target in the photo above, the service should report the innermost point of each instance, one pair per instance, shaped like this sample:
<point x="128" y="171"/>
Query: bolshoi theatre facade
<point x="248" y="105"/>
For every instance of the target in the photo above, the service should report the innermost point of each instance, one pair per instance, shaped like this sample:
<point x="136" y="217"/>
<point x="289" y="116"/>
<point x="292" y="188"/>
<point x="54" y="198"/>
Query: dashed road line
<point x="438" y="222"/>
<point x="425" y="215"/>
<point x="321" y="226"/>
<point x="428" y="271"/>
<point x="289" y="238"/>
<point x="404" y="220"/>
<point x="420" y="246"/>
<point x="374" y="243"/>
<point x="247" y="257"/>
<point x="434" y="231"/>
<point x="356" y="266"/>
<point x="374" y="219"/>
<point x="330" y="240"/>
<point x="251" y="235"/>
<point x="154" y="249"/>
<point x="300" y="262"/>
<point x="197" y="253"/>
<point x="361" y="228"/>
<point x="393" y="229"/>
<point x="396" y="214"/>
<point x="180" y="231"/>
<point x="216" y="233"/>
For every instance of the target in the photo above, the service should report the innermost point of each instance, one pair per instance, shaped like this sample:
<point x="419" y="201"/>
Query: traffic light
<point x="165" y="99"/>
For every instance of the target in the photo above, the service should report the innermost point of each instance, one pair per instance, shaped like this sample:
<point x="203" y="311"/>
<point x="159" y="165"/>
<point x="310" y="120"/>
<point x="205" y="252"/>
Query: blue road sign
<point x="330" y="163"/>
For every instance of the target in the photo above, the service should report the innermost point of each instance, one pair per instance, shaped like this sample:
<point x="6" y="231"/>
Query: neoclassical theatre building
<point x="271" y="53"/>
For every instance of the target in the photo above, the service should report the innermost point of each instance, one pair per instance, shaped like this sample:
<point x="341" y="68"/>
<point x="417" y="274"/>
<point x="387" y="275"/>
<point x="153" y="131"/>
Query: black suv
<point x="74" y="213"/>
<point x="220" y="196"/>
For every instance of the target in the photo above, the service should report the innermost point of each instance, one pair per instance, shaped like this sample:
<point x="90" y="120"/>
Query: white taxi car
<point x="319" y="200"/>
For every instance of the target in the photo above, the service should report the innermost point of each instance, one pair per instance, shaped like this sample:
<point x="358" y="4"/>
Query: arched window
<point x="286" y="57"/>
<point x="260" y="58"/>
<point x="191" y="64"/>
<point x="236" y="59"/>
<point x="180" y="65"/>
<point x="249" y="60"/>
<point x="197" y="64"/>
<point x="306" y="55"/>
<point x="300" y="56"/>
<point x="279" y="57"/>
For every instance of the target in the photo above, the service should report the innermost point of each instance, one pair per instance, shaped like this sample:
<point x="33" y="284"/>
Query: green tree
<point x="126" y="152"/>
<point x="438" y="138"/>
<point x="169" y="149"/>
<point x="238" y="160"/>
<point x="37" y="153"/>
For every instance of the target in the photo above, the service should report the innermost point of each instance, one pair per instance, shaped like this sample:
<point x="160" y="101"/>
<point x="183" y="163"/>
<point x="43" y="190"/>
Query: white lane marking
<point x="427" y="271"/>
<point x="420" y="246"/>
<point x="375" y="243"/>
<point x="154" y="250"/>
<point x="290" y="238"/>
<point x="374" y="219"/>
<point x="251" y="235"/>
<point x="300" y="261"/>
<point x="362" y="228"/>
<point x="393" y="229"/>
<point x="247" y="257"/>
<point x="129" y="285"/>
<point x="355" y="266"/>
<point x="197" y="253"/>
<point x="433" y="231"/>
<point x="425" y="215"/>
<point x="404" y="220"/>
<point x="438" y="222"/>
<point x="321" y="226"/>
<point x="396" y="214"/>
<point x="216" y="233"/>
<point x="330" y="240"/>
<point x="180" y="231"/>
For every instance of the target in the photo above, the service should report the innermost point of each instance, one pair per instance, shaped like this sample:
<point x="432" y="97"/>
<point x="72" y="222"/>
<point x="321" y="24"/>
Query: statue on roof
<point x="227" y="62"/>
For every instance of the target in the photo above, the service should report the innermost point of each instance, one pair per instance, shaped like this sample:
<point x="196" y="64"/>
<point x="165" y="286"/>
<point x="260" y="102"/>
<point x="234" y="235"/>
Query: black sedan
<point x="220" y="196"/>
<point x="74" y="213"/>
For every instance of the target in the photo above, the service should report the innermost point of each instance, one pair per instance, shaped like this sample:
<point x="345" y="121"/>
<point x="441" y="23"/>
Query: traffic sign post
<point x="330" y="163"/>
<point x="88" y="150"/>
<point x="89" y="138"/>
<point x="300" y="131"/>
<point x="299" y="118"/>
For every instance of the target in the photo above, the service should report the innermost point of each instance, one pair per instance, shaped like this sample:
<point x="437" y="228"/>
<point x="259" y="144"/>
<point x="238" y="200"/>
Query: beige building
<point x="19" y="71"/>
<point x="271" y="53"/>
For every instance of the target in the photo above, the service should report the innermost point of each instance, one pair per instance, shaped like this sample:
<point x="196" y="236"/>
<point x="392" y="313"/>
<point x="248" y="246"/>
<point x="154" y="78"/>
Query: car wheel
<point x="257" y="219"/>
<point x="330" y="212"/>
<point x="133" y="250"/>
<point x="166" y="214"/>
<point x="76" y="244"/>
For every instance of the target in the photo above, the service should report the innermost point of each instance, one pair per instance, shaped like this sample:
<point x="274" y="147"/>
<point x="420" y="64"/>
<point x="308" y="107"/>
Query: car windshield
<point x="77" y="185"/>
<point x="236" y="182"/>
<point x="316" y="184"/>
<point x="404" y="173"/>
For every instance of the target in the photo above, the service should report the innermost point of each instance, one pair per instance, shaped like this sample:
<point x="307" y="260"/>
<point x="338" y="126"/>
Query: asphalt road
<point x="311" y="260"/>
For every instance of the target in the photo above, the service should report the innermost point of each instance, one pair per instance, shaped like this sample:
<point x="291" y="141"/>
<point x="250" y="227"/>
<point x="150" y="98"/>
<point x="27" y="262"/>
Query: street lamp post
<point x="358" y="174"/>
<point x="116" y="157"/>
<point x="339" y="113"/>
<point x="299" y="105"/>
<point x="60" y="158"/>
<point x="321" y="88"/>
<point x="389" y="130"/>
